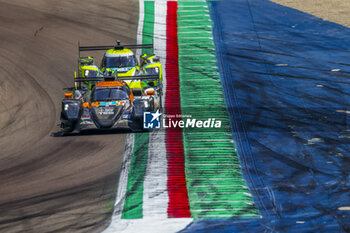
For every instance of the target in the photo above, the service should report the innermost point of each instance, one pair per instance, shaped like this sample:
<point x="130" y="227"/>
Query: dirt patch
<point x="337" y="11"/>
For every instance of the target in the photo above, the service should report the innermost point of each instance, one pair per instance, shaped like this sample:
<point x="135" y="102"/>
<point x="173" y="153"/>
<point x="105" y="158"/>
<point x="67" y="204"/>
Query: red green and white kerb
<point x="175" y="176"/>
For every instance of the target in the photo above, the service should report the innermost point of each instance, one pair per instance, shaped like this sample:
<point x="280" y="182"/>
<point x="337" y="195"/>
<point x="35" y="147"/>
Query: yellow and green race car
<point x="87" y="69"/>
<point x="151" y="66"/>
<point x="121" y="61"/>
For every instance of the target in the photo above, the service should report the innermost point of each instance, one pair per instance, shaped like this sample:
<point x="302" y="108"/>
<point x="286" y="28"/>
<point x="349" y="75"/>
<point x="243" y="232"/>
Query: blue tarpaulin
<point x="286" y="78"/>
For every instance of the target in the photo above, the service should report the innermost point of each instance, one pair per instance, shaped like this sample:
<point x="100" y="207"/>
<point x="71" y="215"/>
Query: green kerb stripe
<point x="134" y="192"/>
<point x="138" y="164"/>
<point x="148" y="26"/>
<point x="215" y="183"/>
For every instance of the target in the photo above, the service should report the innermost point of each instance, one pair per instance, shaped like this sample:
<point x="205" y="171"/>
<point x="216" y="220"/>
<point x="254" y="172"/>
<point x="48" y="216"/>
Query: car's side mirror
<point x="68" y="95"/>
<point x="150" y="91"/>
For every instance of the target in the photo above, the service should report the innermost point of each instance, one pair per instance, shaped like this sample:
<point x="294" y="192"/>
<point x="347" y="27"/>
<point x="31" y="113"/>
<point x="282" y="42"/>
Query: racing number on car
<point x="106" y="111"/>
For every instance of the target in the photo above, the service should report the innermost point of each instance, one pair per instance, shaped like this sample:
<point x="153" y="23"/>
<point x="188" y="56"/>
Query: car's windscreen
<point x="152" y="71"/>
<point x="91" y="73"/>
<point x="117" y="62"/>
<point x="108" y="94"/>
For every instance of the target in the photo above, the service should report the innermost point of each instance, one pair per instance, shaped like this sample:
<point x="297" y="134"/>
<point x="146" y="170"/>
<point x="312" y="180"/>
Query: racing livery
<point x="88" y="69"/>
<point x="114" y="95"/>
<point x="119" y="60"/>
<point x="109" y="104"/>
<point x="150" y="65"/>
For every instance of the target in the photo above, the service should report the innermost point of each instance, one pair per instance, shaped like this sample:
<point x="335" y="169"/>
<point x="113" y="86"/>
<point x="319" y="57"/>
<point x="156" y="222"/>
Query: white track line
<point x="155" y="193"/>
<point x="155" y="225"/>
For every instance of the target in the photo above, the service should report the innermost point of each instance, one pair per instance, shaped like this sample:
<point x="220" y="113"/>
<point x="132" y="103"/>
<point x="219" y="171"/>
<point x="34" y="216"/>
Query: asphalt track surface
<point x="48" y="183"/>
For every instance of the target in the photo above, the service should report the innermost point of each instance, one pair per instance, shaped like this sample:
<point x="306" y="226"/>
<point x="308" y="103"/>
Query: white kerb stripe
<point x="155" y="194"/>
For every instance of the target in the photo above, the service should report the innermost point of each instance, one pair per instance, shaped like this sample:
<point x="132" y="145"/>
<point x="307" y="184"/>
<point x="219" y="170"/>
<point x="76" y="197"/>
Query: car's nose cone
<point x="106" y="116"/>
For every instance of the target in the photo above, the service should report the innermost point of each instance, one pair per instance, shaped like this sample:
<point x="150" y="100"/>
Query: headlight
<point x="146" y="104"/>
<point x="70" y="106"/>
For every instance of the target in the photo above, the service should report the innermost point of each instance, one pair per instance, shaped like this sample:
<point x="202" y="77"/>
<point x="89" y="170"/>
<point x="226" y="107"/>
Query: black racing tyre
<point x="69" y="127"/>
<point x="137" y="124"/>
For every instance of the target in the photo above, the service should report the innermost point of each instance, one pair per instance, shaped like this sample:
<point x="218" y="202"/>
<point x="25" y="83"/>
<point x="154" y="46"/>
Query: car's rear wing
<point x="117" y="46"/>
<point x="112" y="78"/>
<point x="79" y="80"/>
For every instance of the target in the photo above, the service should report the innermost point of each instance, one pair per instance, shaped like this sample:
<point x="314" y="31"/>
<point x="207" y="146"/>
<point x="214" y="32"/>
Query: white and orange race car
<point x="109" y="104"/>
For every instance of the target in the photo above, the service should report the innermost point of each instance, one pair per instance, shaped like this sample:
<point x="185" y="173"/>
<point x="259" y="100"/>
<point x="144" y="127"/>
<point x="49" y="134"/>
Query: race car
<point x="119" y="60"/>
<point x="150" y="65"/>
<point x="87" y="69"/>
<point x="109" y="104"/>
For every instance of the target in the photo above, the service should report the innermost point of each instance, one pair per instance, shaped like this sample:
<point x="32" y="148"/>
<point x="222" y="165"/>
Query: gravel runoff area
<point x="337" y="11"/>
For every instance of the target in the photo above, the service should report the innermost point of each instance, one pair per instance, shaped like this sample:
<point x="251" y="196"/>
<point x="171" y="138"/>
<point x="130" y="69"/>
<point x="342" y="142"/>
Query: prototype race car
<point x="109" y="104"/>
<point x="150" y="65"/>
<point x="87" y="69"/>
<point x="120" y="60"/>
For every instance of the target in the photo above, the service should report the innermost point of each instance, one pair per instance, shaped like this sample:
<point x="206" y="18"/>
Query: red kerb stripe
<point x="178" y="206"/>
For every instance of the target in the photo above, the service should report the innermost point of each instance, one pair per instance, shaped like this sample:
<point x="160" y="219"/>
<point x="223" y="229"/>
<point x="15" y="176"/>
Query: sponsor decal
<point x="123" y="70"/>
<point x="126" y="116"/>
<point x="108" y="103"/>
<point x="116" y="103"/>
<point x="105" y="111"/>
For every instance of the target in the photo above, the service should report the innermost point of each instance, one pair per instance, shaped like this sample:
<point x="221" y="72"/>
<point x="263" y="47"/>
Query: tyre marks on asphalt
<point x="56" y="184"/>
<point x="123" y="179"/>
